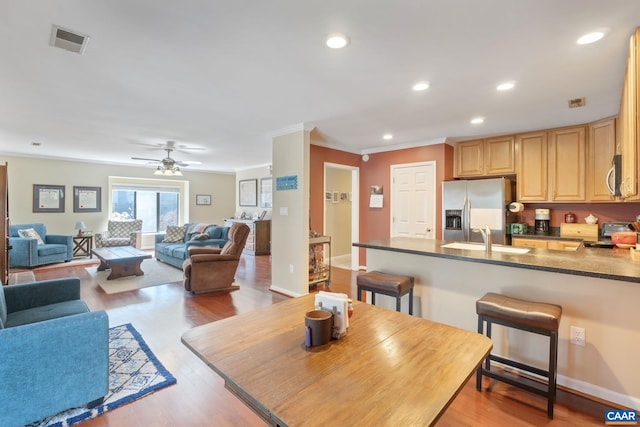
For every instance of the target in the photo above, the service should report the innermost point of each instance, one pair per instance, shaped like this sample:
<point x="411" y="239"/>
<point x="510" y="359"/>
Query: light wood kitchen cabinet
<point x="469" y="157"/>
<point x="553" y="244"/>
<point x="524" y="242"/>
<point x="628" y="123"/>
<point x="532" y="167"/>
<point x="567" y="165"/>
<point x="488" y="157"/>
<point x="601" y="147"/>
<point x="552" y="165"/>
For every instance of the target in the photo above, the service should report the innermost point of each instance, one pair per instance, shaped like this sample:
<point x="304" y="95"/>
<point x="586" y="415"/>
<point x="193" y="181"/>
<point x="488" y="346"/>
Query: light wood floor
<point x="163" y="313"/>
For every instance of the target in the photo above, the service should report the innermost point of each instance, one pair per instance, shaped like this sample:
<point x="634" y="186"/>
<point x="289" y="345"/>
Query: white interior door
<point x="413" y="201"/>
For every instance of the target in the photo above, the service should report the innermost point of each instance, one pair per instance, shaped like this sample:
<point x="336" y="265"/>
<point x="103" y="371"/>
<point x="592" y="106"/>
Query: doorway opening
<point x="341" y="213"/>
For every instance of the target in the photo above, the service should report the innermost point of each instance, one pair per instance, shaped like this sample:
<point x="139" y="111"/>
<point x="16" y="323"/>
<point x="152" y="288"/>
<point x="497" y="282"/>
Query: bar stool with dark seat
<point x="536" y="317"/>
<point x="393" y="285"/>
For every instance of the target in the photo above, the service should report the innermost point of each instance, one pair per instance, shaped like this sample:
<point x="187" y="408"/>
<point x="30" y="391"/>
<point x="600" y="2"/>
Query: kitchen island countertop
<point x="613" y="264"/>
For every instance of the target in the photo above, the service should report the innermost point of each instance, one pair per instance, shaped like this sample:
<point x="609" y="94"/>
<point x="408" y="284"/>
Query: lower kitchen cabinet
<point x="553" y="244"/>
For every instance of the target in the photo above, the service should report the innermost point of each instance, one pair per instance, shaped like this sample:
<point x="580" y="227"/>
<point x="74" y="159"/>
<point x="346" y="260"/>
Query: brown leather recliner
<point x="214" y="269"/>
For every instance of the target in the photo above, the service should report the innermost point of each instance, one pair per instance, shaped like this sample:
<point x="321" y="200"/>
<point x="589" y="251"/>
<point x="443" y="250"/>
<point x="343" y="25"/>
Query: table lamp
<point x="80" y="226"/>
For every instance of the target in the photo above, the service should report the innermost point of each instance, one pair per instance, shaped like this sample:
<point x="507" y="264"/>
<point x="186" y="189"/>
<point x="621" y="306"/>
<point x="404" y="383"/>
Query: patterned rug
<point x="134" y="372"/>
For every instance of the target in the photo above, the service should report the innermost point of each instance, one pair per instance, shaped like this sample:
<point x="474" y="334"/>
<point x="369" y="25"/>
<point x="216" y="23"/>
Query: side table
<point x="82" y="246"/>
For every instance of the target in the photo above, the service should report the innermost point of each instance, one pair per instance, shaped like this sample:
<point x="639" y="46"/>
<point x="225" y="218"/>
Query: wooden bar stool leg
<point x="373" y="298"/>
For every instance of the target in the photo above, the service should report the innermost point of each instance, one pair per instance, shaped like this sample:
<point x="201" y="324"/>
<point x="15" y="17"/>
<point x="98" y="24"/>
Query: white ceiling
<point x="226" y="75"/>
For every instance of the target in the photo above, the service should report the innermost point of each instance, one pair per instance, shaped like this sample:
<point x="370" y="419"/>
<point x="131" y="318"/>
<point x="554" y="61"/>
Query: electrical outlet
<point x="290" y="268"/>
<point x="578" y="336"/>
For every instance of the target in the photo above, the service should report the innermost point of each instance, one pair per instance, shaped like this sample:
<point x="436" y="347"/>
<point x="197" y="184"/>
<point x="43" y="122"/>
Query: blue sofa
<point x="55" y="352"/>
<point x="26" y="252"/>
<point x="176" y="253"/>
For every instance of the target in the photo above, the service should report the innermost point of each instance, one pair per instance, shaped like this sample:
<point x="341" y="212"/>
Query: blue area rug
<point x="134" y="372"/>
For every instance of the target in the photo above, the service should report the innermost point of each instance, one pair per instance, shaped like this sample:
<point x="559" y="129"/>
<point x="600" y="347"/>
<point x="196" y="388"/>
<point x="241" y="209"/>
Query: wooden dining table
<point x="390" y="368"/>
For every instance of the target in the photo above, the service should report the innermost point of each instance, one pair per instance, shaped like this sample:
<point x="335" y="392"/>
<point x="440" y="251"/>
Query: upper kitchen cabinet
<point x="532" y="167"/>
<point x="488" y="157"/>
<point x="552" y="165"/>
<point x="601" y="147"/>
<point x="628" y="123"/>
<point x="567" y="165"/>
<point x="469" y="158"/>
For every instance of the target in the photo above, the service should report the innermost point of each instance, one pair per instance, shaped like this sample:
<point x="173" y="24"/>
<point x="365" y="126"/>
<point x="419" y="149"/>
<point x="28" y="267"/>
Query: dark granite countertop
<point x="613" y="264"/>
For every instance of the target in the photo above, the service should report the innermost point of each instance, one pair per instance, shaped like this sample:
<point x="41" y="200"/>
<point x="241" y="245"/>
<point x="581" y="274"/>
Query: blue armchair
<point x="55" y="353"/>
<point x="27" y="252"/>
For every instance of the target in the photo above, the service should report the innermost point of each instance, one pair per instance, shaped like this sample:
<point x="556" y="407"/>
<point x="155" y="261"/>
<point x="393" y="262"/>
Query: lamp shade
<point x="80" y="225"/>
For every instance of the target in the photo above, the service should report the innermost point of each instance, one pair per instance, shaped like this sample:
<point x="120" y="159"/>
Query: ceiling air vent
<point x="577" y="102"/>
<point x="68" y="40"/>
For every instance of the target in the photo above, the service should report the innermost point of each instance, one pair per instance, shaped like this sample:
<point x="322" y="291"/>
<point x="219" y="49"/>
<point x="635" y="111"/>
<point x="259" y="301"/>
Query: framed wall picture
<point x="203" y="199"/>
<point x="87" y="199"/>
<point x="48" y="198"/>
<point x="248" y="192"/>
<point x="266" y="192"/>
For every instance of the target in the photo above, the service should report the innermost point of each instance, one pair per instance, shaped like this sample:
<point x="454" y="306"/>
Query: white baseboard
<point x="599" y="392"/>
<point x="284" y="291"/>
<point x="587" y="389"/>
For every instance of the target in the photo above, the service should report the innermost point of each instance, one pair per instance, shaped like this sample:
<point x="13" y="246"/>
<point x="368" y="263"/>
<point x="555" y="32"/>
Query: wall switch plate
<point x="578" y="336"/>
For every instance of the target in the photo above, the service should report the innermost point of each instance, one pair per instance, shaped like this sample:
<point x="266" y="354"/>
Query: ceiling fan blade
<point x="181" y="149"/>
<point x="142" y="158"/>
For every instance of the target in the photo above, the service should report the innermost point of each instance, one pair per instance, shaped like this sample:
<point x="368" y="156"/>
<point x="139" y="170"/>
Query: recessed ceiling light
<point x="337" y="41"/>
<point x="506" y="86"/>
<point x="590" y="38"/>
<point x="421" y="86"/>
<point x="387" y="136"/>
<point x="477" y="120"/>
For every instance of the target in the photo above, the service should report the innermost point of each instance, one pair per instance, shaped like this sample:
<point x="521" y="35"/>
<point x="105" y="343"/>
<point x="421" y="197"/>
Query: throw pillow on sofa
<point x="30" y="233"/>
<point x="174" y="234"/>
<point x="201" y="236"/>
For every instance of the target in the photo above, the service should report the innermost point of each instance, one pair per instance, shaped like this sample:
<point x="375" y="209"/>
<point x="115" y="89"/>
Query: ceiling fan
<point x="168" y="165"/>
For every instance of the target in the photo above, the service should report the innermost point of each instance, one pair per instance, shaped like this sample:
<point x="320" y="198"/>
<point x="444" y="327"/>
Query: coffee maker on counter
<point x="542" y="221"/>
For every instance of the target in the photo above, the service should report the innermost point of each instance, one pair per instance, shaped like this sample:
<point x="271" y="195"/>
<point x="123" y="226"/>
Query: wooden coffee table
<point x="122" y="260"/>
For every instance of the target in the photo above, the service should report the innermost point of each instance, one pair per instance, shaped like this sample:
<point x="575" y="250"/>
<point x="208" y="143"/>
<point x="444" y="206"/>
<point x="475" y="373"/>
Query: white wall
<point x="24" y="172"/>
<point x="259" y="174"/>
<point x="290" y="219"/>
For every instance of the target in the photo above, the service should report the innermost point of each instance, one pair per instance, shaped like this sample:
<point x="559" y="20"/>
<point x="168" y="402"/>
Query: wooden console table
<point x="259" y="239"/>
<point x="390" y="369"/>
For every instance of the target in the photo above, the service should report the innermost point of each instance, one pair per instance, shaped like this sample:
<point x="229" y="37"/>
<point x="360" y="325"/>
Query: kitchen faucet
<point x="486" y="237"/>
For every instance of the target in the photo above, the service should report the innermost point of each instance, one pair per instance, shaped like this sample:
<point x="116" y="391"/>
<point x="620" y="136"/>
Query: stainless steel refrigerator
<point x="469" y="204"/>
